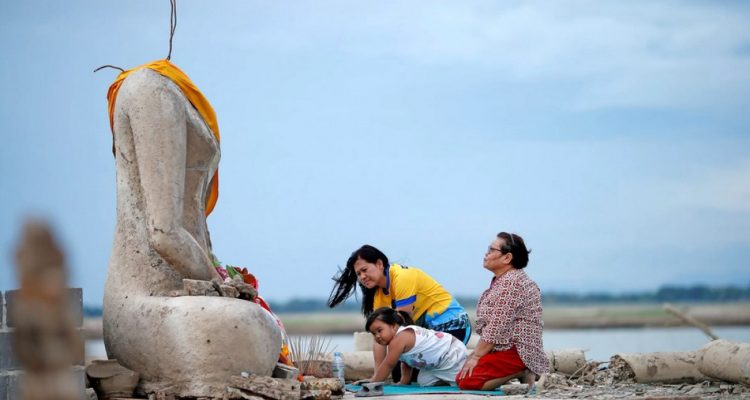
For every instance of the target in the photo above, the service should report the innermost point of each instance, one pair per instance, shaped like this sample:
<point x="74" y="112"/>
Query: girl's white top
<point x="432" y="349"/>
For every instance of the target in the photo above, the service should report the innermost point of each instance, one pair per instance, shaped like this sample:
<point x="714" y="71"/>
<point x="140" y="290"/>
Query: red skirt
<point x="497" y="364"/>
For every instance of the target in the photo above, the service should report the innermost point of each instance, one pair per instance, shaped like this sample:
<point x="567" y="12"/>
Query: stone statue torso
<point x="132" y="257"/>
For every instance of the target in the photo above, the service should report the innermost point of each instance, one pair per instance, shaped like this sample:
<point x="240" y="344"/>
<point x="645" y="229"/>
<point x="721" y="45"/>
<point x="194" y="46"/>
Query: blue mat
<point x="394" y="390"/>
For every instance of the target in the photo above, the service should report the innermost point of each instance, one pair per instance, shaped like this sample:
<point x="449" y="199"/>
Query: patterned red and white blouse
<point x="509" y="314"/>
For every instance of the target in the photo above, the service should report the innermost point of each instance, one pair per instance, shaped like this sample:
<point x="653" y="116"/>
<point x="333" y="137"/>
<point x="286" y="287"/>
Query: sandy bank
<point x="559" y="317"/>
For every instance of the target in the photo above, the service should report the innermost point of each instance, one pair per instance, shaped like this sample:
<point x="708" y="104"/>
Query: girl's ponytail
<point x="405" y="318"/>
<point x="389" y="316"/>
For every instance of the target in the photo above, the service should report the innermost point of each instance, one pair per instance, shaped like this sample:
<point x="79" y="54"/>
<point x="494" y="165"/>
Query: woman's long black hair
<point x="346" y="279"/>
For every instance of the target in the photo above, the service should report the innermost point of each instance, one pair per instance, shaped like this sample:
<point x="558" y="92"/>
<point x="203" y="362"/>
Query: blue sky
<point x="613" y="136"/>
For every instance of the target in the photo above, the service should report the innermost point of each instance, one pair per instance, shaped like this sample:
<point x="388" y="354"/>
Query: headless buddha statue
<point x="166" y="154"/>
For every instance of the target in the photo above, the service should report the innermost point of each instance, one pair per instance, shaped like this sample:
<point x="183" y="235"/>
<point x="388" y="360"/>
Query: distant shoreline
<point x="555" y="317"/>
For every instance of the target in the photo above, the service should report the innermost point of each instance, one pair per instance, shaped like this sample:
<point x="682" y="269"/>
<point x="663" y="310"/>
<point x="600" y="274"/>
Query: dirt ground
<point x="560" y="387"/>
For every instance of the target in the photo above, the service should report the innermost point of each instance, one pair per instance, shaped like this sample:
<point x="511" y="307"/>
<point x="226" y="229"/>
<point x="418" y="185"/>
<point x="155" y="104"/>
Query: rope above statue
<point x="193" y="95"/>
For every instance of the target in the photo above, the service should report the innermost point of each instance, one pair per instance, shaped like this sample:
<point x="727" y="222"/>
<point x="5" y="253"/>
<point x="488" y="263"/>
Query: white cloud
<point x="724" y="189"/>
<point x="634" y="54"/>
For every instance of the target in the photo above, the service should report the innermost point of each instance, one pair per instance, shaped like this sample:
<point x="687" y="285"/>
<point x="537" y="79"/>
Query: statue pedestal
<point x="191" y="345"/>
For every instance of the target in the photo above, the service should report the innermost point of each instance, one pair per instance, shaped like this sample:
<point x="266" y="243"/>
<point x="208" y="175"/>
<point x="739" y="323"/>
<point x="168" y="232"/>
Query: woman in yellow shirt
<point x="402" y="288"/>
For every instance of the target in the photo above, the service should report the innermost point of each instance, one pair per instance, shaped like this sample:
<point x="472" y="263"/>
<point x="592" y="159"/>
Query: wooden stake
<point x="690" y="320"/>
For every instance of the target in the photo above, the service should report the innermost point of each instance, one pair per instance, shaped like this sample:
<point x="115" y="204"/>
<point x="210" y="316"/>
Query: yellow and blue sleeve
<point x="404" y="285"/>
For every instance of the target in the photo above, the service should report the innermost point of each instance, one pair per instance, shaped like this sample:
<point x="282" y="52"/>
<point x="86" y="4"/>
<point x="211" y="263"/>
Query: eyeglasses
<point x="507" y="247"/>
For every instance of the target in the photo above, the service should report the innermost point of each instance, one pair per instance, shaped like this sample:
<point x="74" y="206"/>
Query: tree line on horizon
<point x="665" y="294"/>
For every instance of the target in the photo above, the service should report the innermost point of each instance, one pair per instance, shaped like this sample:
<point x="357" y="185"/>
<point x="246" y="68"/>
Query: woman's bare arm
<point x="480" y="351"/>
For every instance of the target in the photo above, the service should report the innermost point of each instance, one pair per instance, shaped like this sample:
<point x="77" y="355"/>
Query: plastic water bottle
<point x="337" y="367"/>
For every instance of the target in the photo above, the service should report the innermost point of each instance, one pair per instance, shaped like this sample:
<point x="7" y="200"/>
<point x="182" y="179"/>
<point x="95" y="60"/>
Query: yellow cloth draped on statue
<point x="193" y="95"/>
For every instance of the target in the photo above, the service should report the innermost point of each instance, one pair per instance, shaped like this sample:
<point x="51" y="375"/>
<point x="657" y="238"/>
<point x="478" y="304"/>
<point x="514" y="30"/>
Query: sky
<point x="613" y="136"/>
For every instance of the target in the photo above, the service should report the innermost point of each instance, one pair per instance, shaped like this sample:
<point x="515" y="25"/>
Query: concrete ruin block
<point x="80" y="377"/>
<point x="331" y="384"/>
<point x="726" y="360"/>
<point x="229" y="291"/>
<point x="195" y="287"/>
<point x="10" y="299"/>
<point x="358" y="365"/>
<point x="79" y="353"/>
<point x="8" y="360"/>
<point x="110" y="379"/>
<point x="362" y="341"/>
<point x="12" y="383"/>
<point x="661" y="367"/>
<point x="567" y="361"/>
<point x="317" y="394"/>
<point x="12" y="386"/>
<point x="3" y="386"/>
<point x="15" y="390"/>
<point x="75" y="304"/>
<point x="272" y="388"/>
<point x="515" y="389"/>
<point x="161" y="395"/>
<point x="246" y="291"/>
<point x="239" y="394"/>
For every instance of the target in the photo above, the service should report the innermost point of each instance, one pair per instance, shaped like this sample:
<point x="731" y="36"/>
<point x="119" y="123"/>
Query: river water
<point x="600" y="344"/>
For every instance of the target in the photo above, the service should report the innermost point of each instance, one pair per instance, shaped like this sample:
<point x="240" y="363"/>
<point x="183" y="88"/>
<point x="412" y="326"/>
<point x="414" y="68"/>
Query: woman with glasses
<point x="509" y="321"/>
<point x="402" y="288"/>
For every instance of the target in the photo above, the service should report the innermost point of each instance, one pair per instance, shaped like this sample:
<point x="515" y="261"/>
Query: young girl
<point x="438" y="356"/>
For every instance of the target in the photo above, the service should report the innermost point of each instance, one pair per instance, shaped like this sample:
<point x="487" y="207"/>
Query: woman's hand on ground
<point x="468" y="368"/>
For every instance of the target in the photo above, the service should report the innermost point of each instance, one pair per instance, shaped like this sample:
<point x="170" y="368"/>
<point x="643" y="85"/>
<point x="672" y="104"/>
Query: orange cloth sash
<point x="194" y="96"/>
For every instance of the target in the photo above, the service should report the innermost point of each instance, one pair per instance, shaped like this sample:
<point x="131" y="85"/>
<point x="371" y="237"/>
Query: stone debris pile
<point x="681" y="375"/>
<point x="256" y="387"/>
<point x="560" y="386"/>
